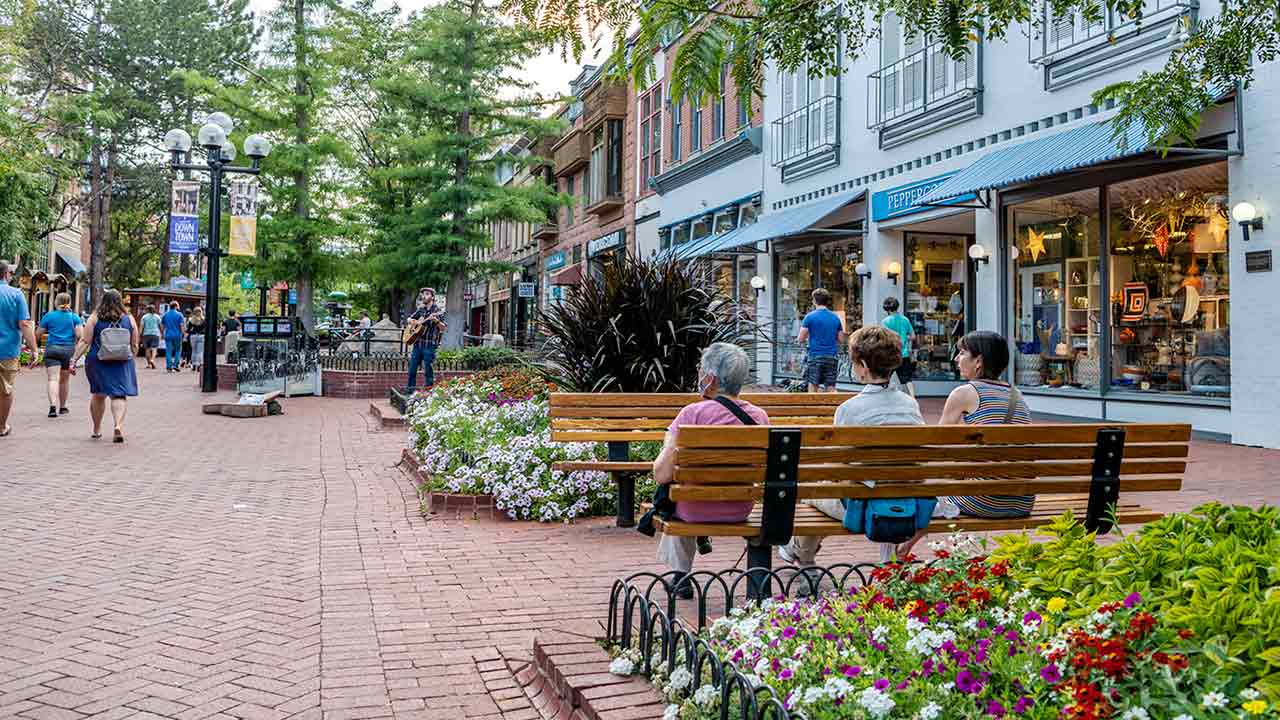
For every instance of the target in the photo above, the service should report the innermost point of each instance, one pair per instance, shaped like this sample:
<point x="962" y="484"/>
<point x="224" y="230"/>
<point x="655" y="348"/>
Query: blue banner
<point x="901" y="200"/>
<point x="184" y="226"/>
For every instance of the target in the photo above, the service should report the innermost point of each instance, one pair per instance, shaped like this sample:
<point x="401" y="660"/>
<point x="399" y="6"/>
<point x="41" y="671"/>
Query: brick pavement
<point x="278" y="567"/>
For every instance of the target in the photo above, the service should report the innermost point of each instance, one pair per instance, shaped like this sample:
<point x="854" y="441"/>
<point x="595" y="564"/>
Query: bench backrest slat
<point x="693" y="457"/>
<point x="813" y="491"/>
<point x="915" y="435"/>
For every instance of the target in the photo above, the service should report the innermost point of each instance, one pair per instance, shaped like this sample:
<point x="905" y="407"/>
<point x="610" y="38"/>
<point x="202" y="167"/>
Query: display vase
<point x="1028" y="369"/>
<point x="1088" y="371"/>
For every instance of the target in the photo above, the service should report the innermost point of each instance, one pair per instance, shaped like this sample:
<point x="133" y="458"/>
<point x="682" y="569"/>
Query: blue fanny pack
<point x="888" y="520"/>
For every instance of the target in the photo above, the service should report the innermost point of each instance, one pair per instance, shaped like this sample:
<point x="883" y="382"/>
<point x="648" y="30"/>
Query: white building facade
<point x="1112" y="268"/>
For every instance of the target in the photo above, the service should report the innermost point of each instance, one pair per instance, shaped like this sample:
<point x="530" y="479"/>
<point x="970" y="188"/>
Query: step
<point x="570" y="678"/>
<point x="387" y="415"/>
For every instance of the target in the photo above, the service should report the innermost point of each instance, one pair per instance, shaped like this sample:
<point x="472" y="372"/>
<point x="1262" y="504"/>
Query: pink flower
<point x="1132" y="600"/>
<point x="851" y="670"/>
<point x="1024" y="703"/>
<point x="967" y="683"/>
<point x="1051" y="674"/>
<point x="995" y="709"/>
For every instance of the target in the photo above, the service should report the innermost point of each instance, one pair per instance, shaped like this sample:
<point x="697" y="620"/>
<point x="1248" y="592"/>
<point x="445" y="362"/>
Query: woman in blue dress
<point x="116" y="380"/>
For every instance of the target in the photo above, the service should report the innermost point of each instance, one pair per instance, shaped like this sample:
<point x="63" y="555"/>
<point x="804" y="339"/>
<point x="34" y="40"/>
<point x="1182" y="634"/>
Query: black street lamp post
<point x="219" y="154"/>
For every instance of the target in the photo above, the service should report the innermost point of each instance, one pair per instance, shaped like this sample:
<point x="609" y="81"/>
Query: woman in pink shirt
<point x="721" y="374"/>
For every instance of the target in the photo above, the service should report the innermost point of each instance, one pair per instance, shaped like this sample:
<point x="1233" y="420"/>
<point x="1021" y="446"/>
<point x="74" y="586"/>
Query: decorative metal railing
<point x="925" y="79"/>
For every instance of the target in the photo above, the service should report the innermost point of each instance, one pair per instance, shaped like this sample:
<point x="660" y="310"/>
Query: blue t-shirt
<point x="899" y="323"/>
<point x="61" y="326"/>
<point x="172" y="321"/>
<point x="151" y="324"/>
<point x="824" y="332"/>
<point x="13" y="310"/>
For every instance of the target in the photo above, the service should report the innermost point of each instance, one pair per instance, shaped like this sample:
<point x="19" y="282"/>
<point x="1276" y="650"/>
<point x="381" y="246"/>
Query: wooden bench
<point x="1081" y="468"/>
<point x="620" y="419"/>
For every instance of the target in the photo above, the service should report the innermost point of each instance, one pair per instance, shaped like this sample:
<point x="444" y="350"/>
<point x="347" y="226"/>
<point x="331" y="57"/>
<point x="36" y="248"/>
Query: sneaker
<point x="53" y="411"/>
<point x="63" y="411"/>
<point x="788" y="555"/>
<point x="704" y="546"/>
<point x="684" y="588"/>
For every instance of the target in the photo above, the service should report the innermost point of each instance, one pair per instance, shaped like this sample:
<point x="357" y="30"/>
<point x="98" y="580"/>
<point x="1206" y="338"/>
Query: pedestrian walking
<point x="428" y="327"/>
<point x="151" y="335"/>
<point x="898" y="323"/>
<point x="195" y="336"/>
<point x="172" y="323"/>
<point x="823" y="331"/>
<point x="186" y="341"/>
<point x="60" y="330"/>
<point x="231" y="324"/>
<point x="109" y="361"/>
<point x="15" y="328"/>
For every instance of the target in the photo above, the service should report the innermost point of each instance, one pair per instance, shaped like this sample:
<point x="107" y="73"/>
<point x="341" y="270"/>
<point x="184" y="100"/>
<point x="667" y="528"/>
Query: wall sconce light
<point x="757" y="283"/>
<point x="895" y="269"/>
<point x="1013" y="252"/>
<point x="862" y="271"/>
<point x="978" y="254"/>
<point x="1246" y="215"/>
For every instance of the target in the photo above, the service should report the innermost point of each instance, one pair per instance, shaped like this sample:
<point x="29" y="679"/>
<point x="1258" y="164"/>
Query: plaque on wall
<point x="1257" y="261"/>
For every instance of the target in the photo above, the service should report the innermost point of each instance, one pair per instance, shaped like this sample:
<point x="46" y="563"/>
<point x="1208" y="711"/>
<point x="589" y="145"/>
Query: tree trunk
<point x="302" y="178"/>
<point x="97" y="242"/>
<point x="455" y="313"/>
<point x="164" y="259"/>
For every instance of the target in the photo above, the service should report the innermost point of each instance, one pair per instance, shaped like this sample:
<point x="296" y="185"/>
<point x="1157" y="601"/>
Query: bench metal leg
<point x="759" y="585"/>
<point x="626" y="482"/>
<point x="626" y="499"/>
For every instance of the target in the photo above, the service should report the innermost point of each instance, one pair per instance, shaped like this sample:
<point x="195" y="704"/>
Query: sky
<point x="548" y="72"/>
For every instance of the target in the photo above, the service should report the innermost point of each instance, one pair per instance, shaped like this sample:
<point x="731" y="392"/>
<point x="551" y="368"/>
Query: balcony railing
<point x="927" y="78"/>
<point x="808" y="131"/>
<point x="547" y="232"/>
<point x="572" y="152"/>
<point x="605" y="100"/>
<point x="1068" y="34"/>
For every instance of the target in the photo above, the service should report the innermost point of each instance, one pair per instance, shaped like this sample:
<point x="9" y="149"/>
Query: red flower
<point x="1160" y="658"/>
<point x="1082" y="660"/>
<point x="980" y="595"/>
<point x="977" y="573"/>
<point x="942" y="554"/>
<point x="1185" y="634"/>
<point x="1143" y="622"/>
<point x="1000" y="569"/>
<point x="1111" y="607"/>
<point x="1178" y="662"/>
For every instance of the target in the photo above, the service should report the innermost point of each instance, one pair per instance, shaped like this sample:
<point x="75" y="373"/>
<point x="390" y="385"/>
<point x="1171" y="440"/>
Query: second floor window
<point x="676" y="111"/>
<point x="573" y="199"/>
<point x="650" y="136"/>
<point x="604" y="174"/>
<point x="695" y="126"/>
<point x="809" y="122"/>
<point x="595" y="170"/>
<point x="914" y="72"/>
<point x="577" y="254"/>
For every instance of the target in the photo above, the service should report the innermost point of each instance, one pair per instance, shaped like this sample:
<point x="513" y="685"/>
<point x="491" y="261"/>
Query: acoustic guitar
<point x="415" y="329"/>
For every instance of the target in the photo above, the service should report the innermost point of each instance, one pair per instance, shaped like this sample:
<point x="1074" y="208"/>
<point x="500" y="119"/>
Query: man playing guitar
<point x="425" y="328"/>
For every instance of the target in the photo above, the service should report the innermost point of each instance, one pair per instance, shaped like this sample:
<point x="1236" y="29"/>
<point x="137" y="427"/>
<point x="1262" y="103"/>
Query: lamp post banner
<point x="184" y="225"/>
<point x="244" y="217"/>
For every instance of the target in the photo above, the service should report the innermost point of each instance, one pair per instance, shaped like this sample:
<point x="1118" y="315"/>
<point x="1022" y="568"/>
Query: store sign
<point x="615" y="239"/>
<point x="555" y="260"/>
<point x="901" y="200"/>
<point x="293" y="296"/>
<point x="526" y="290"/>
<point x="557" y="292"/>
<point x="1257" y="261"/>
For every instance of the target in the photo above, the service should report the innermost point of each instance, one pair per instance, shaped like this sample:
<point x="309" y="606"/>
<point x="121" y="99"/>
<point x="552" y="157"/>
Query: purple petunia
<point x="995" y="709"/>
<point x="789" y="632"/>
<point x="1132" y="600"/>
<point x="785" y="674"/>
<point x="851" y="670"/>
<point x="1024" y="703"/>
<point x="1051" y="674"/>
<point x="1031" y="618"/>
<point x="882" y="684"/>
<point x="966" y="682"/>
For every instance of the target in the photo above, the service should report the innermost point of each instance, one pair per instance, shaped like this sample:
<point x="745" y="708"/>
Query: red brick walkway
<point x="279" y="567"/>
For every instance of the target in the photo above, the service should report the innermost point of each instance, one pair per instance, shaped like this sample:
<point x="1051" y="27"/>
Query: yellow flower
<point x="911" y="606"/>
<point x="1055" y="605"/>
<point x="1255" y="707"/>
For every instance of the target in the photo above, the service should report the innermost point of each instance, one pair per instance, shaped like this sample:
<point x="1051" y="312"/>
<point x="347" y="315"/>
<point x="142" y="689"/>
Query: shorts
<point x="59" y="356"/>
<point x="821" y="371"/>
<point x="8" y="375"/>
<point x="906" y="372"/>
<point x="150" y="342"/>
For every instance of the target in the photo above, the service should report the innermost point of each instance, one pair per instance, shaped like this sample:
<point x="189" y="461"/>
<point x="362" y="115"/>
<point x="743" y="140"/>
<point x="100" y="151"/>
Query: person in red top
<point x="721" y="374"/>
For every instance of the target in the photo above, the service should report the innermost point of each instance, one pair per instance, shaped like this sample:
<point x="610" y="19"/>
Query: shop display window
<point x="1170" y="283"/>
<point x="1057" y="291"/>
<point x="936" y="297"/>
<point x="794" y="287"/>
<point x="679" y="234"/>
<point x="701" y="228"/>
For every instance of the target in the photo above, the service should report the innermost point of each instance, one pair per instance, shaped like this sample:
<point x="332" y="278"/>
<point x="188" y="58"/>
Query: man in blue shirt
<point x="173" y="323"/>
<point x="15" y="328"/>
<point x="823" y="331"/>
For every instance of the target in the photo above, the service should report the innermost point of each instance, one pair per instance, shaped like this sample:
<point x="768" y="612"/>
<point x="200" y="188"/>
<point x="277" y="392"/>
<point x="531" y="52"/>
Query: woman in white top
<point x="875" y="352"/>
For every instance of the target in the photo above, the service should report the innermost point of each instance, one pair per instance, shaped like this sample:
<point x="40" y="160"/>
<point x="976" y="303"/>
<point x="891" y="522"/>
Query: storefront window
<point x="701" y="228"/>
<point x="746" y="293"/>
<point x="1057" y="288"/>
<point x="795" y="285"/>
<point x="936" y="301"/>
<point x="679" y="234"/>
<point x="1170" y="283"/>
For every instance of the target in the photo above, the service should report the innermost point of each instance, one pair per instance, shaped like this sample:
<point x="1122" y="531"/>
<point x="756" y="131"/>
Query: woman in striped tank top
<point x="983" y="356"/>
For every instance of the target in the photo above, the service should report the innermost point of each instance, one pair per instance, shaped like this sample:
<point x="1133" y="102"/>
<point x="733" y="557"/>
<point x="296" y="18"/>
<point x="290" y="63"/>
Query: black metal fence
<point x="643" y="615"/>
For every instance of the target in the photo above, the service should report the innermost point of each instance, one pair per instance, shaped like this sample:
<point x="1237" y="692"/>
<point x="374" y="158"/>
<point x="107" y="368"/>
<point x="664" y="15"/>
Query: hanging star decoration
<point x="1161" y="239"/>
<point x="1035" y="243"/>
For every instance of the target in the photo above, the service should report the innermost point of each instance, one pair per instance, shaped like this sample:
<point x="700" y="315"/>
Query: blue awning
<point x="1081" y="147"/>
<point x="795" y="221"/>
<point x="73" y="263"/>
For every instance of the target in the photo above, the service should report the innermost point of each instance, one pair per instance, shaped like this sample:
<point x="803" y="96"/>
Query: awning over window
<point x="1091" y="144"/>
<point x="568" y="276"/>
<point x="794" y="221"/>
<point x="75" y="268"/>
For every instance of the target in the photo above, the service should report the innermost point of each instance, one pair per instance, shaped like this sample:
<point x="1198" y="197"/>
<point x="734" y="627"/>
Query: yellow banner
<point x="244" y="218"/>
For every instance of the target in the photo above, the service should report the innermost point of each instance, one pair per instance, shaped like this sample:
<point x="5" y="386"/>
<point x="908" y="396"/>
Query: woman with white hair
<point x="723" y="371"/>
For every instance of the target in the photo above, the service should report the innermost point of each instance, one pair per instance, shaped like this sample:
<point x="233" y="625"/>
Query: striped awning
<point x="1081" y="147"/>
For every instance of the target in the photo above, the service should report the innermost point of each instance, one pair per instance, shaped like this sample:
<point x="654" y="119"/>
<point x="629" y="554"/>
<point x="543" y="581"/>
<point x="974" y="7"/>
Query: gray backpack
<point x="114" y="345"/>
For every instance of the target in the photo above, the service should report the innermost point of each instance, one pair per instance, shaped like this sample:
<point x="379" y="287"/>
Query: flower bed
<point x="978" y="634"/>
<point x="490" y="433"/>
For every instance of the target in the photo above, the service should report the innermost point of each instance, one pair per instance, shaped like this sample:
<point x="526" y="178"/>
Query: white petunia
<point x="1250" y="694"/>
<point x="877" y="703"/>
<point x="930" y="711"/>
<point x="622" y="665"/>
<point x="1135" y="713"/>
<point x="1213" y="700"/>
<point x="813" y="695"/>
<point x="879" y="633"/>
<point x="671" y="713"/>
<point x="681" y="678"/>
<point x="706" y="697"/>
<point x="1183" y="716"/>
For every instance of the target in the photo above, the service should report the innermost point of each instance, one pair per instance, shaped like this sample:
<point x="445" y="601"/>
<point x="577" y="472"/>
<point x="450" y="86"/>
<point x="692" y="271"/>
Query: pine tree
<point x="449" y="102"/>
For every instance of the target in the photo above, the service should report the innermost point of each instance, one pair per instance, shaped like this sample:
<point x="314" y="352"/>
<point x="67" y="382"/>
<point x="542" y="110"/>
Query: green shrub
<point x="639" y="328"/>
<point x="1215" y="570"/>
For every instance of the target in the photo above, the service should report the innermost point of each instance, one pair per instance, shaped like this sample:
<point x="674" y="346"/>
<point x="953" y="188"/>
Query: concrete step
<point x="387" y="415"/>
<point x="569" y="678"/>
